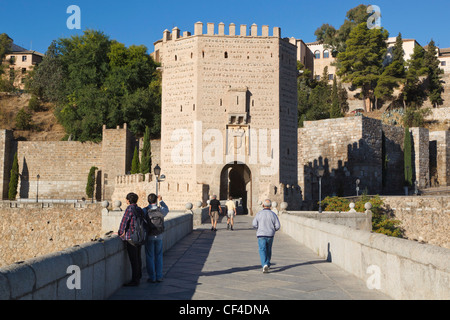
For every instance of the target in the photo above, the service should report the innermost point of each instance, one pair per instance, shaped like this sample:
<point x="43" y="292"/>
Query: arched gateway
<point x="236" y="181"/>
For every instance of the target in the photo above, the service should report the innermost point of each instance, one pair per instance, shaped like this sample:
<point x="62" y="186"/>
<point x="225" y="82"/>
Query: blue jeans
<point x="154" y="258"/>
<point x="265" y="250"/>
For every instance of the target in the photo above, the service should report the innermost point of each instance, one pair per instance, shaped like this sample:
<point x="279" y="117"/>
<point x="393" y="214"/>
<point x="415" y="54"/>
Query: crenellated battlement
<point x="211" y="30"/>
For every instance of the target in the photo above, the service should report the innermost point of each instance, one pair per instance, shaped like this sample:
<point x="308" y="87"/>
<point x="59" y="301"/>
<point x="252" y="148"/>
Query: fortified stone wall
<point x="440" y="148"/>
<point x="31" y="229"/>
<point x="347" y="148"/>
<point x="393" y="173"/>
<point x="424" y="218"/>
<point x="6" y="159"/>
<point x="421" y="156"/>
<point x="62" y="166"/>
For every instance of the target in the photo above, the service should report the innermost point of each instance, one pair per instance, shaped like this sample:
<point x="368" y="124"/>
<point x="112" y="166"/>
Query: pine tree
<point x="407" y="157"/>
<point x="335" y="110"/>
<point x="146" y="157"/>
<point x="14" y="179"/>
<point x="361" y="64"/>
<point x="413" y="95"/>
<point x="90" y="185"/>
<point x="135" y="165"/>
<point x="394" y="73"/>
<point x="434" y="73"/>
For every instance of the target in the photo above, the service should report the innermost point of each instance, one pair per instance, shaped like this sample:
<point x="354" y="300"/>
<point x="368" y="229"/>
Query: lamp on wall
<point x="159" y="177"/>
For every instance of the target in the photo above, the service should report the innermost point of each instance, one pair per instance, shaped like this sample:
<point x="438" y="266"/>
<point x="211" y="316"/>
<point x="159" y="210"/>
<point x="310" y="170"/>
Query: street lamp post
<point x="157" y="171"/>
<point x="320" y="172"/>
<point x="37" y="188"/>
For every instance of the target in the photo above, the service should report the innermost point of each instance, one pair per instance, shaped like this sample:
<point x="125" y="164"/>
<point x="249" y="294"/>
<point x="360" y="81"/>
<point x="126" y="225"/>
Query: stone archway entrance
<point x="236" y="181"/>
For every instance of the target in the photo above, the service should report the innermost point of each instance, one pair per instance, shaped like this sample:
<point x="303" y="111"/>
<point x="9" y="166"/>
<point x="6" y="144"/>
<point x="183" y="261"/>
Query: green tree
<point x="335" y="110"/>
<point x="96" y="81"/>
<point x="320" y="99"/>
<point x="304" y="87"/>
<point x="434" y="72"/>
<point x="317" y="99"/>
<point x="394" y="73"/>
<point x="24" y="120"/>
<point x="135" y="165"/>
<point x="361" y="64"/>
<point x="90" y="186"/>
<point x="336" y="39"/>
<point x="14" y="179"/>
<point x="407" y="157"/>
<point x="146" y="157"/>
<point x="47" y="81"/>
<point x="5" y="48"/>
<point x="413" y="93"/>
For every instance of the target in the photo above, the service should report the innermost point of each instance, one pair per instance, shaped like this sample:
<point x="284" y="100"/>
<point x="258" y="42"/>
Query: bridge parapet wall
<point x="400" y="268"/>
<point x="103" y="267"/>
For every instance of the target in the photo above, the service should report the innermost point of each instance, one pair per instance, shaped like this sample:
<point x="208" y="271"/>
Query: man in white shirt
<point x="231" y="212"/>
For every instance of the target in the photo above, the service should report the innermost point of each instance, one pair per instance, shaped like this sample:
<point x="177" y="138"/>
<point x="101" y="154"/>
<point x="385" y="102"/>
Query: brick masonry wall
<point x="348" y="148"/>
<point x="63" y="167"/>
<point x="32" y="230"/>
<point x="440" y="168"/>
<point x="425" y="218"/>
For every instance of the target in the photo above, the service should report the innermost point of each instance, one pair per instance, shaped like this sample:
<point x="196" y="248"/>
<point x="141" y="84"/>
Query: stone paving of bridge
<point x="224" y="265"/>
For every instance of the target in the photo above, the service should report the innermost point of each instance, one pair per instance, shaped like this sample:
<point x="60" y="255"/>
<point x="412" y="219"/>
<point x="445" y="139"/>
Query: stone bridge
<point x="313" y="258"/>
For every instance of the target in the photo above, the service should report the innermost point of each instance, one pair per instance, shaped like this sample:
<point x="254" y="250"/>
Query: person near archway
<point x="266" y="222"/>
<point x="231" y="212"/>
<point x="214" y="208"/>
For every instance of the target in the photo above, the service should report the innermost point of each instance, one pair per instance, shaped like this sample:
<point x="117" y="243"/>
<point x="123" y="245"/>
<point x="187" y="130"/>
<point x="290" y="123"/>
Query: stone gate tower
<point x="229" y="114"/>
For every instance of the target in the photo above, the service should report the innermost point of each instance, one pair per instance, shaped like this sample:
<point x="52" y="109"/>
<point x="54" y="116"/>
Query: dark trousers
<point x="134" y="253"/>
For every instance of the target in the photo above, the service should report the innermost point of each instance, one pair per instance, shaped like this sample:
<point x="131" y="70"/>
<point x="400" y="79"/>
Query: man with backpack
<point x="132" y="232"/>
<point x="154" y="216"/>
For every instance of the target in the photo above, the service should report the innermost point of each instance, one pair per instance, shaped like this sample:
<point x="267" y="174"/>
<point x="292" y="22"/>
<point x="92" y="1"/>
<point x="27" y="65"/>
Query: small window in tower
<point x="203" y="54"/>
<point x="181" y="108"/>
<point x="176" y="58"/>
<point x="237" y="100"/>
<point x="220" y="102"/>
<point x="326" y="54"/>
<point x="226" y="55"/>
<point x="192" y="55"/>
<point x="193" y="107"/>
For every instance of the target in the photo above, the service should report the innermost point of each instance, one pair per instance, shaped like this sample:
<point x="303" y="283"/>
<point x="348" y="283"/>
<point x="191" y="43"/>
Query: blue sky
<point x="34" y="24"/>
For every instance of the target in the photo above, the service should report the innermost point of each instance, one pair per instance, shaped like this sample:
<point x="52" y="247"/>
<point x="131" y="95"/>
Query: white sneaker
<point x="266" y="269"/>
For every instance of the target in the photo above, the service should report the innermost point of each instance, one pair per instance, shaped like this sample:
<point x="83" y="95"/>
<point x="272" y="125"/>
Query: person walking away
<point x="266" y="222"/>
<point x="154" y="245"/>
<point x="214" y="208"/>
<point x="231" y="212"/>
<point x="126" y="229"/>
